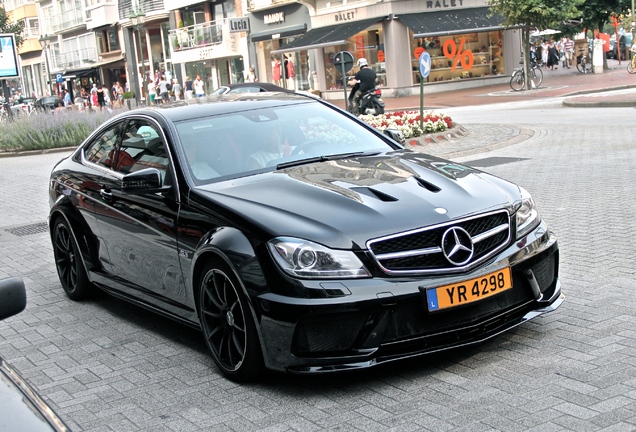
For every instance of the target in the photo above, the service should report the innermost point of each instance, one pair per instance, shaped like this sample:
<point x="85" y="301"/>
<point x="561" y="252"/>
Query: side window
<point x="98" y="152"/>
<point x="143" y="141"/>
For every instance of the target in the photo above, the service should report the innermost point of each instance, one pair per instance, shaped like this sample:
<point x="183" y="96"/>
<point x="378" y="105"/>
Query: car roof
<point x="220" y="104"/>
<point x="264" y="85"/>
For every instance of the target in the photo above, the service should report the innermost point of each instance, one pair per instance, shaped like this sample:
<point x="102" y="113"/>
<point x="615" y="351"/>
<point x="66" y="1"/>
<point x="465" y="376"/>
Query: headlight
<point x="527" y="215"/>
<point x="307" y="259"/>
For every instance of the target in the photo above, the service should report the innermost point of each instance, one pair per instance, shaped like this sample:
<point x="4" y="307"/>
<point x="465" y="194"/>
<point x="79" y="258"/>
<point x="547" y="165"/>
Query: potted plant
<point x="128" y="96"/>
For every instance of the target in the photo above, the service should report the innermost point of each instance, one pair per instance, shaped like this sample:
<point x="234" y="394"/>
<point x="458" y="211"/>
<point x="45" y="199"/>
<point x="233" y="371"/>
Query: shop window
<point x="463" y="56"/>
<point x="368" y="44"/>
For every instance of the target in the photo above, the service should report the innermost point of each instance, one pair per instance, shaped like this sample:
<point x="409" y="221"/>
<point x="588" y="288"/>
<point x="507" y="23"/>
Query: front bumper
<point x="384" y="319"/>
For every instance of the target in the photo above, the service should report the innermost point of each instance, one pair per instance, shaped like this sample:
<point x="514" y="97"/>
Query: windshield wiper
<point x="325" y="158"/>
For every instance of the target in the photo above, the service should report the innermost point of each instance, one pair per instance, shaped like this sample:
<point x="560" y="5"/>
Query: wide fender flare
<point x="84" y="239"/>
<point x="232" y="247"/>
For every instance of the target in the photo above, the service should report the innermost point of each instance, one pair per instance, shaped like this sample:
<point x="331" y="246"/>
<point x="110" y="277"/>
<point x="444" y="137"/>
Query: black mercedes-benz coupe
<point x="295" y="236"/>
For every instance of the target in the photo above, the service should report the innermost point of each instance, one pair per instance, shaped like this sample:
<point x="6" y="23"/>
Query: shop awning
<point x="327" y="36"/>
<point x="79" y="73"/>
<point x="428" y="24"/>
<point x="279" y="33"/>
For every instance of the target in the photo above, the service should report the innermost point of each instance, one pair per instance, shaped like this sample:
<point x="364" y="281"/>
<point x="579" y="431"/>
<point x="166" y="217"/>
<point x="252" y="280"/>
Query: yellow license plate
<point x="468" y="291"/>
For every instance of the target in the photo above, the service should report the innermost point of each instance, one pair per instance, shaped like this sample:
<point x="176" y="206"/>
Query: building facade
<point x="291" y="43"/>
<point x="466" y="43"/>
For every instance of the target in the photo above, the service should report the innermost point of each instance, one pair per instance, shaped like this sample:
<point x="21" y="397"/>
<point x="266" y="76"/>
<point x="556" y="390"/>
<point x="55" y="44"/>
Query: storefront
<point x="465" y="43"/>
<point x="273" y="28"/>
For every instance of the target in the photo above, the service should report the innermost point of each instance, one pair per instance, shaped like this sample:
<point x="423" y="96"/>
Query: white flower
<point x="408" y="122"/>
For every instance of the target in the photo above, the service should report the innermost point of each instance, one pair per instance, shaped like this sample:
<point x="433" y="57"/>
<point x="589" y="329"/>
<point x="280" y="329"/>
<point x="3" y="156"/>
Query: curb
<point x="524" y="135"/>
<point x="35" y="152"/>
<point x="422" y="143"/>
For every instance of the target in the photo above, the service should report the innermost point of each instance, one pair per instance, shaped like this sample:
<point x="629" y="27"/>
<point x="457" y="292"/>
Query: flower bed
<point x="408" y="122"/>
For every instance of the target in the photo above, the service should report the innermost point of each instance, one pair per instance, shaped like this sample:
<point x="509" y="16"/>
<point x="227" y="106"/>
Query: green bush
<point x="50" y="130"/>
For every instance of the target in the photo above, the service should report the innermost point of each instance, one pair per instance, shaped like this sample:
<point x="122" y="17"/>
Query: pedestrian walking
<point x="199" y="87"/>
<point x="101" y="101"/>
<point x="544" y="52"/>
<point x="553" y="56"/>
<point x="564" y="61"/>
<point x="251" y="76"/>
<point x="164" y="91"/>
<point x="176" y="89"/>
<point x="188" y="88"/>
<point x="152" y="94"/>
<point x="569" y="51"/>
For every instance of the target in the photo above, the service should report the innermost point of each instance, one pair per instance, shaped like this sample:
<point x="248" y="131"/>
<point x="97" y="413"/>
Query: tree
<point x="6" y="26"/>
<point x="531" y="14"/>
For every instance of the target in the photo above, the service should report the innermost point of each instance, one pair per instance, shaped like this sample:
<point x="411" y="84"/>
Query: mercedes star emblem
<point x="457" y="246"/>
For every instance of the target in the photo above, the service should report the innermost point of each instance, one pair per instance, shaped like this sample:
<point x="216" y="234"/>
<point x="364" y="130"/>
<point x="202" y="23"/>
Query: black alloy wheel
<point x="68" y="262"/>
<point x="228" y="327"/>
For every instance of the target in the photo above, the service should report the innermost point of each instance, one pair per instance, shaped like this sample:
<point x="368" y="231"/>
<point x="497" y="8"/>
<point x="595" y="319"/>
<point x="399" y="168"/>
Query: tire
<point x="630" y="67"/>
<point x="517" y="80"/>
<point x="585" y="66"/>
<point x="69" y="264"/>
<point x="379" y="109"/>
<point x="537" y="76"/>
<point x="579" y="65"/>
<point x="227" y="324"/>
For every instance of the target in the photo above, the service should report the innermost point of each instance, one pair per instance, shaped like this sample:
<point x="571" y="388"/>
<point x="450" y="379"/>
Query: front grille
<point x="420" y="251"/>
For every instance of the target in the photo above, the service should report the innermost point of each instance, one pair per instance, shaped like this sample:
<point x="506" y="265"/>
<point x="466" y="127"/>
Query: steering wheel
<point x="309" y="144"/>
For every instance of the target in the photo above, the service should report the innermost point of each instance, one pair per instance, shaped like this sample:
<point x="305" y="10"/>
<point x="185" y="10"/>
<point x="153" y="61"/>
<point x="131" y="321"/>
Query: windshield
<point x="251" y="141"/>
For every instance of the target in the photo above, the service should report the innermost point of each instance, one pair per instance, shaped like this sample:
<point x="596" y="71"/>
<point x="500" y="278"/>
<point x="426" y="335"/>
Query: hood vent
<point x="373" y="193"/>
<point x="427" y="185"/>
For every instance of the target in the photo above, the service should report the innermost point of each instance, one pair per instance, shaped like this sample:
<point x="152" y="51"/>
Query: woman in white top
<point x="251" y="76"/>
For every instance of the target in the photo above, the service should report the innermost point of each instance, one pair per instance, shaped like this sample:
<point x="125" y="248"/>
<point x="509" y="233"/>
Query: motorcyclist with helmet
<point x="363" y="81"/>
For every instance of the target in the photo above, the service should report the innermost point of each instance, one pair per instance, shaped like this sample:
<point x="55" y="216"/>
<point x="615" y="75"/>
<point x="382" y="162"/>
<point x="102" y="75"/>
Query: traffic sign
<point x="343" y="61"/>
<point x="58" y="78"/>
<point x="425" y="64"/>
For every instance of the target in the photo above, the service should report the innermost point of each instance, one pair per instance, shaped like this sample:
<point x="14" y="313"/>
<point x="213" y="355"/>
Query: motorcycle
<point x="370" y="102"/>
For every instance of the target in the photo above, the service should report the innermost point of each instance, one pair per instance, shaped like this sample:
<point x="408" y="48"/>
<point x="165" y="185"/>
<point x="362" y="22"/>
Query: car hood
<point x="344" y="203"/>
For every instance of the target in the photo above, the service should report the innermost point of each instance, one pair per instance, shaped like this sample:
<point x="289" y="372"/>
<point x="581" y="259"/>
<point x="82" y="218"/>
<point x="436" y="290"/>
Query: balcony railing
<point x="31" y="33"/>
<point x="197" y="36"/>
<point x="10" y="5"/>
<point x="86" y="57"/>
<point x="66" y="20"/>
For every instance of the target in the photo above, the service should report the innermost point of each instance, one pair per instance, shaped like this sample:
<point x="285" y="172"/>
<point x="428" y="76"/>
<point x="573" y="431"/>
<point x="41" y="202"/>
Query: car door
<point x="140" y="230"/>
<point x="94" y="162"/>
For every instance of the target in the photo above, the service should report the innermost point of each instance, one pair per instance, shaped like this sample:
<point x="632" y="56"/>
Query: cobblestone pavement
<point x="105" y="365"/>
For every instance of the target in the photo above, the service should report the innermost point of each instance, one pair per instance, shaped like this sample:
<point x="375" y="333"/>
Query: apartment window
<point x="107" y="41"/>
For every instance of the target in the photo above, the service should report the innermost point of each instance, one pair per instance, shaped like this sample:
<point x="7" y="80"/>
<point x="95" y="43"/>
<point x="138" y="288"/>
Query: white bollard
<point x="597" y="56"/>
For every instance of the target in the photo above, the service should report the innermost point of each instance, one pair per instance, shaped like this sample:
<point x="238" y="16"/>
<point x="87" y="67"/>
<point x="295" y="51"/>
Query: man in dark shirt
<point x="364" y="80"/>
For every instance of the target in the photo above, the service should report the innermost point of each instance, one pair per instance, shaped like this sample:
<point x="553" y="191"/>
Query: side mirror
<point x="143" y="181"/>
<point x="395" y="135"/>
<point x="12" y="297"/>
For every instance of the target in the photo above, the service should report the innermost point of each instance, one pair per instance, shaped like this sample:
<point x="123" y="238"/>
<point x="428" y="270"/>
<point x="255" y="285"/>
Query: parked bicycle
<point x="518" y="78"/>
<point x="584" y="61"/>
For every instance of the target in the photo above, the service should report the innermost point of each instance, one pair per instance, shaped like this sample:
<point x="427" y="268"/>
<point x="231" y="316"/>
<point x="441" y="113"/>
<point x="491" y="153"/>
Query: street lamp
<point x="137" y="19"/>
<point x="45" y="42"/>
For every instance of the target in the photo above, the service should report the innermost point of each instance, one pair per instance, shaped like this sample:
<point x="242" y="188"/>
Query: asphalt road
<point x="105" y="365"/>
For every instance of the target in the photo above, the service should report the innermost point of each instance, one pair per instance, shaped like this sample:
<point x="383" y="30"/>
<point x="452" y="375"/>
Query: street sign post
<point x="344" y="62"/>
<point x="425" y="69"/>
